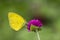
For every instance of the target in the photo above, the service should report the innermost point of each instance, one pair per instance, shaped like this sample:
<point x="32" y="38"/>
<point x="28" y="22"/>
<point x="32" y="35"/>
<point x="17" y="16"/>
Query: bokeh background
<point x="49" y="10"/>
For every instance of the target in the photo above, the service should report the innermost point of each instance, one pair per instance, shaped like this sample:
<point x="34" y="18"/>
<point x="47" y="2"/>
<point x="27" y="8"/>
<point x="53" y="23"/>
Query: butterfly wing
<point x="16" y="21"/>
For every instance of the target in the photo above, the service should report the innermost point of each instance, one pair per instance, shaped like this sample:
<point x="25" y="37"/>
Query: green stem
<point x="38" y="37"/>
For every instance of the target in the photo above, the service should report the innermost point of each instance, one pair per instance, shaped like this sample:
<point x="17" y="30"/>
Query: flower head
<point x="34" y="24"/>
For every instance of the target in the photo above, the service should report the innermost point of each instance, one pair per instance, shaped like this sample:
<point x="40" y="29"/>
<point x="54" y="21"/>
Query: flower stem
<point x="38" y="37"/>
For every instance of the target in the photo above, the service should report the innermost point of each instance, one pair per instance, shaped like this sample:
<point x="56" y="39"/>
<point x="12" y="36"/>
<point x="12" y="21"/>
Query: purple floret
<point x="34" y="22"/>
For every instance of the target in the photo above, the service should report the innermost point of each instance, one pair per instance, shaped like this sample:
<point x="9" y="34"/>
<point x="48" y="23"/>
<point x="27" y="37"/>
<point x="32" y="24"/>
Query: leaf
<point x="34" y="28"/>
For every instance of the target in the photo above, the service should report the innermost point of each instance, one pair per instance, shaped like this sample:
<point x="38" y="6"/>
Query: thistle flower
<point x="34" y="24"/>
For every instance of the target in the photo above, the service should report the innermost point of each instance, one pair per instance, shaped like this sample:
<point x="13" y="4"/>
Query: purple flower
<point x="34" y="22"/>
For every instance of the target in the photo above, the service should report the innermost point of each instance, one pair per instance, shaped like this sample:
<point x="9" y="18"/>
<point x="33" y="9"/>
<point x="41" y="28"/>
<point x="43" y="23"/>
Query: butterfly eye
<point x="16" y="21"/>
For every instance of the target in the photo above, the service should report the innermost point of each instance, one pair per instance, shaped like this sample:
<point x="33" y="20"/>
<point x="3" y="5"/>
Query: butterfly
<point x="16" y="21"/>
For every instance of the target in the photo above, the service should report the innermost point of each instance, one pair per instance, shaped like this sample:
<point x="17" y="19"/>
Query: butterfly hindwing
<point x="16" y="21"/>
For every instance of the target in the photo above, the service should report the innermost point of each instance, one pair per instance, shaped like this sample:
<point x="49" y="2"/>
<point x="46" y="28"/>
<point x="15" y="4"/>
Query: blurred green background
<point x="48" y="8"/>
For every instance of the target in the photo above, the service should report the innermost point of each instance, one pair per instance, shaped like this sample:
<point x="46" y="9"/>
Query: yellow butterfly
<point x="16" y="21"/>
